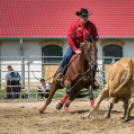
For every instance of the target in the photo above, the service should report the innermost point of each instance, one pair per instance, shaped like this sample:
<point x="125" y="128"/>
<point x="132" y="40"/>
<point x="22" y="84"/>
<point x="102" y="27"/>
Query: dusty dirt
<point x="23" y="118"/>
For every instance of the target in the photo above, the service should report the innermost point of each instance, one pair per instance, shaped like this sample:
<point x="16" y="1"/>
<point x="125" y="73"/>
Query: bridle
<point x="82" y="44"/>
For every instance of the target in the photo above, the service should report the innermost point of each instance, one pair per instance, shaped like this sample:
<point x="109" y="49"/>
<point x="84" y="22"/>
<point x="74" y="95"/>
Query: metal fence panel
<point x="26" y="65"/>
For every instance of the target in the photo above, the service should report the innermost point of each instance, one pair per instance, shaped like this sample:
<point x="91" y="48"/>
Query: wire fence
<point x="26" y="65"/>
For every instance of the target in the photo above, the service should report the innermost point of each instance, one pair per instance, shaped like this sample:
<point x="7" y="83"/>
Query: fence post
<point x="103" y="74"/>
<point x="113" y="60"/>
<point x="22" y="72"/>
<point x="28" y="65"/>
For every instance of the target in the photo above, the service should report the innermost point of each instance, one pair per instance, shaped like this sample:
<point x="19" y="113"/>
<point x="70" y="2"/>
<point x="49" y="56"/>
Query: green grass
<point x="59" y="93"/>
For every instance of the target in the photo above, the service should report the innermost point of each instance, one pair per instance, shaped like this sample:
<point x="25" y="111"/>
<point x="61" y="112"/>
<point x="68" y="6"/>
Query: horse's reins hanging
<point x="45" y="79"/>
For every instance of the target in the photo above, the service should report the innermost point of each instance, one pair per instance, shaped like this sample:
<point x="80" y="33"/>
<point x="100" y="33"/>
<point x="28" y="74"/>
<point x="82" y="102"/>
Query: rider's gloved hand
<point x="77" y="51"/>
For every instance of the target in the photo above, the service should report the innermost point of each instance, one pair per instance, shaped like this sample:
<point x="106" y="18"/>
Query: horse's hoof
<point x="84" y="117"/>
<point x="59" y="106"/>
<point x="40" y="111"/>
<point x="106" y="116"/>
<point x="122" y="118"/>
<point x="125" y="121"/>
<point x="65" y="109"/>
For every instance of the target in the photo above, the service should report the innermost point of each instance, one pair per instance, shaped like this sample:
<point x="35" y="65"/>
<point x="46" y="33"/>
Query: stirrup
<point x="59" y="77"/>
<point x="95" y="85"/>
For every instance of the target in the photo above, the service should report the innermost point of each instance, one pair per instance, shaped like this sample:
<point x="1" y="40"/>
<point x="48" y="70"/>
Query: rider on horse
<point x="79" y="31"/>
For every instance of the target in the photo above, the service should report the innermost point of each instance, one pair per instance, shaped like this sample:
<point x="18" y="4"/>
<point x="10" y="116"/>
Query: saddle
<point x="72" y="58"/>
<point x="95" y="85"/>
<point x="68" y="64"/>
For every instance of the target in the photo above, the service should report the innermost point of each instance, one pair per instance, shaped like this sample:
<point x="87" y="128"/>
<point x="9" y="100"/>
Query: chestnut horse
<point x="79" y="74"/>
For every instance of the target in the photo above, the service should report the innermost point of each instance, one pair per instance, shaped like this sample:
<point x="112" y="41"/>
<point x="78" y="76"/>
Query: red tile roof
<point x="49" y="18"/>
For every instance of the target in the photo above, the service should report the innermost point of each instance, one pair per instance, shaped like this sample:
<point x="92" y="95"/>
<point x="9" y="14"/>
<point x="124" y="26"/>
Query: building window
<point x="52" y="50"/>
<point x="112" y="50"/>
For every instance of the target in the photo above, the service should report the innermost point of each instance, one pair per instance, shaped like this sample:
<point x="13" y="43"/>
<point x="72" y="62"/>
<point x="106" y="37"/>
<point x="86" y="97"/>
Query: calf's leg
<point x="103" y="94"/>
<point x="110" y="106"/>
<point x="130" y="107"/>
<point x="125" y="108"/>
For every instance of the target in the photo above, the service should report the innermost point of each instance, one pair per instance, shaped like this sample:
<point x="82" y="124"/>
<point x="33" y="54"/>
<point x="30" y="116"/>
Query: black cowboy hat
<point x="83" y="11"/>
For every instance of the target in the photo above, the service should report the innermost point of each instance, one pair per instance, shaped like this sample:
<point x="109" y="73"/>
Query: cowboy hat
<point x="83" y="11"/>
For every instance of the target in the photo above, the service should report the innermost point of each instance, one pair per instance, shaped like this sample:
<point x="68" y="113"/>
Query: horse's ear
<point x="82" y="44"/>
<point x="88" y="44"/>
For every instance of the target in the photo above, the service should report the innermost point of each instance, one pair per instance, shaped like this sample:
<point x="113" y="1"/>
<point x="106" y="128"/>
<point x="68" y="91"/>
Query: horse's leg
<point x="91" y="96"/>
<point x="61" y="103"/>
<point x="67" y="84"/>
<point x="72" y="96"/>
<point x="103" y="94"/>
<point x="50" y="96"/>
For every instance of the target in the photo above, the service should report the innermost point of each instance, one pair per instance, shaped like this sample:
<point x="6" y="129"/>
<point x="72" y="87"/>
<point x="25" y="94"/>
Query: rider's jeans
<point x="66" y="58"/>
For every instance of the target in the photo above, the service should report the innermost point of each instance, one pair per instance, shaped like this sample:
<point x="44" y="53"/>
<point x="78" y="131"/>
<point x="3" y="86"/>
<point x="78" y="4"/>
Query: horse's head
<point x="90" y="50"/>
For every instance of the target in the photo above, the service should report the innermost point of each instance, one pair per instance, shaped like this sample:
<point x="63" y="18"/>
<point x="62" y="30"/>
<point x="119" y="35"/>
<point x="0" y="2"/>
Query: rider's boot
<point x="59" y="77"/>
<point x="95" y="83"/>
<point x="60" y="74"/>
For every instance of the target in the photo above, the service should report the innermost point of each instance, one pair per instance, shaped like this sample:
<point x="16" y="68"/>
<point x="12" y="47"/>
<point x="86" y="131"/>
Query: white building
<point x="32" y="29"/>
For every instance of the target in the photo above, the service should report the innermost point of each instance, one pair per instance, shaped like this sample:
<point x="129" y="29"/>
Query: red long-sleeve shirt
<point x="77" y="33"/>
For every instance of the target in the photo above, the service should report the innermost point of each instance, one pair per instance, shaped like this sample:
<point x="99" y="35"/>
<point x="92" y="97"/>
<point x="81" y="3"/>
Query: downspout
<point x="0" y="65"/>
<point x="22" y="64"/>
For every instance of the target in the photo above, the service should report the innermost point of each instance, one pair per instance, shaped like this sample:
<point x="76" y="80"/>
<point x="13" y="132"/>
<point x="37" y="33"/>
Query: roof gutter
<point x="115" y="37"/>
<point x="52" y="37"/>
<point x="64" y="37"/>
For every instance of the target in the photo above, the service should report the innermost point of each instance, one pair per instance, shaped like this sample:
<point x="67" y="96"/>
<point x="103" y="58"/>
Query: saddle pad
<point x="72" y="58"/>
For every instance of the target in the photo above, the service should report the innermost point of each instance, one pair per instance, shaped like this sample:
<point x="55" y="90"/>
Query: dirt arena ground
<point x="23" y="118"/>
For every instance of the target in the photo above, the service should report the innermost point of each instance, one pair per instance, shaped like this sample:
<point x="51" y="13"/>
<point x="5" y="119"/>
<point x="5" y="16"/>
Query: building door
<point x="51" y="62"/>
<point x="111" y="50"/>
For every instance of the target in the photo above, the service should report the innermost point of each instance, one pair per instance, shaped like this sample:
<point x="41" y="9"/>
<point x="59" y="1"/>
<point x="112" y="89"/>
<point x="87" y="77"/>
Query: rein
<point x="45" y="79"/>
<point x="82" y="73"/>
<point x="88" y="71"/>
<point x="80" y="78"/>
